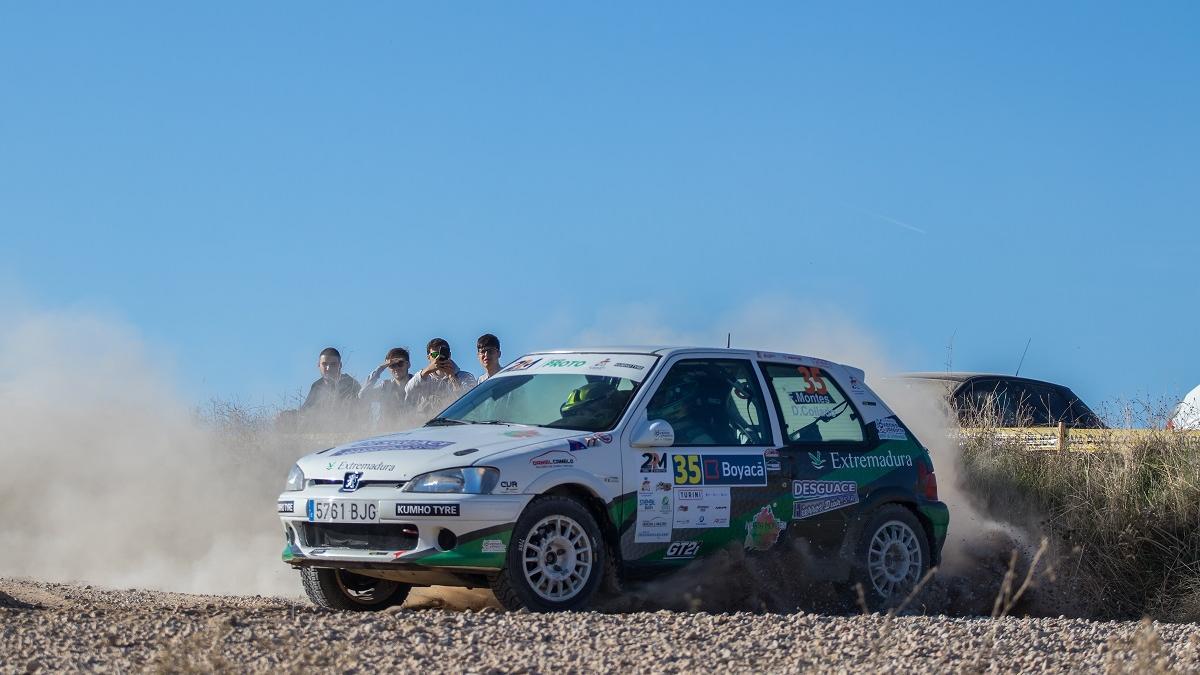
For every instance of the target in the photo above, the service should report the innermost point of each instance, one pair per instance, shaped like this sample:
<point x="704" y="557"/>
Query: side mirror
<point x="655" y="434"/>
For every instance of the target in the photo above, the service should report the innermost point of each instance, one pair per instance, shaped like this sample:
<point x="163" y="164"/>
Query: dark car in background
<point x="1008" y="400"/>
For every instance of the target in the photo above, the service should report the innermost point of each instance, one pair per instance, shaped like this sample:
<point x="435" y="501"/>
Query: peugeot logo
<point x="350" y="482"/>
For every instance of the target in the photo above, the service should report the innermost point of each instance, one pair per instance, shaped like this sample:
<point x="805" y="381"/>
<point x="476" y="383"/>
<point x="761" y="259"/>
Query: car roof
<point x="670" y="350"/>
<point x="962" y="376"/>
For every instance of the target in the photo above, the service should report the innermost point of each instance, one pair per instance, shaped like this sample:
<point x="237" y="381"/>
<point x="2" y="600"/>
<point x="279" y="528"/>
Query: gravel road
<point x="54" y="627"/>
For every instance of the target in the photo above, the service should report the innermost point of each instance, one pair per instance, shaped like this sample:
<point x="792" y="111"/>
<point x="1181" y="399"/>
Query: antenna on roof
<point x="1022" y="361"/>
<point x="728" y="339"/>
<point x="950" y="352"/>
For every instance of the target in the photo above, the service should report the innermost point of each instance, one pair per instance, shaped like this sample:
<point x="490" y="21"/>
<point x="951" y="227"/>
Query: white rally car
<point x="569" y="468"/>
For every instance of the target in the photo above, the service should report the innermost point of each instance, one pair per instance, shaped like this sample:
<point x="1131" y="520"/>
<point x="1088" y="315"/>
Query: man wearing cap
<point x="388" y="393"/>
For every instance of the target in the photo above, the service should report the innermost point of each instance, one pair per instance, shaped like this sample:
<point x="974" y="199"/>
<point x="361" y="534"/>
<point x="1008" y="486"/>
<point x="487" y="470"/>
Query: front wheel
<point x="556" y="559"/>
<point x="342" y="590"/>
<point x="891" y="558"/>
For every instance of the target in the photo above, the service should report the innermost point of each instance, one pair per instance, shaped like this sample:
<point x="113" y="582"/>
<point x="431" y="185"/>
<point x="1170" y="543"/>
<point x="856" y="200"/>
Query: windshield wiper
<point x="507" y="424"/>
<point x="443" y="422"/>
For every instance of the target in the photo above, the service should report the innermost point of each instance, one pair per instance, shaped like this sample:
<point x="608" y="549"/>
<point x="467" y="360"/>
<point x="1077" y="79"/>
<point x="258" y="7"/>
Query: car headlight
<point x="295" y="480"/>
<point x="473" y="480"/>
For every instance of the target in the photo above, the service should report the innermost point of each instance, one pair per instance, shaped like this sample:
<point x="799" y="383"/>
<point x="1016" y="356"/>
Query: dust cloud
<point x="109" y="477"/>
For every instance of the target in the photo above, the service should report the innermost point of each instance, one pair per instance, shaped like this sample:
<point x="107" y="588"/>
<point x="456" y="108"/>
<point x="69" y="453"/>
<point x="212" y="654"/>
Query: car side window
<point x="812" y="406"/>
<point x="713" y="402"/>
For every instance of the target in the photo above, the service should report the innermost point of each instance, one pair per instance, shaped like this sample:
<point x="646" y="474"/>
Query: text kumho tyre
<point x="891" y="557"/>
<point x="342" y="590"/>
<point x="556" y="559"/>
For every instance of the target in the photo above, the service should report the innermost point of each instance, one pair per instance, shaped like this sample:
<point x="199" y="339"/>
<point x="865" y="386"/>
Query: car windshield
<point x="557" y="400"/>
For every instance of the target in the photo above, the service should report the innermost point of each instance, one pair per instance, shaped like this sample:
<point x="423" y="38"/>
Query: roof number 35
<point x="812" y="377"/>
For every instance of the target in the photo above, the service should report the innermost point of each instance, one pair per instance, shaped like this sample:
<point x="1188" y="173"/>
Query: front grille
<point x="361" y="483"/>
<point x="360" y="536"/>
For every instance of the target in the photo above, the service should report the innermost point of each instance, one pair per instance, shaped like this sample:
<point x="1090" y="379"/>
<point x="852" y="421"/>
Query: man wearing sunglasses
<point x="488" y="348"/>
<point x="389" y="394"/>
<point x="439" y="382"/>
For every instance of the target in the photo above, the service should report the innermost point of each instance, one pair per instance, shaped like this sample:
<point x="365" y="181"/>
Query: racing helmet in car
<point x="598" y="387"/>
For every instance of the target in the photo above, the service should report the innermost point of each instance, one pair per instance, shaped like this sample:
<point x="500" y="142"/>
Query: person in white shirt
<point x="488" y="348"/>
<point x="439" y="382"/>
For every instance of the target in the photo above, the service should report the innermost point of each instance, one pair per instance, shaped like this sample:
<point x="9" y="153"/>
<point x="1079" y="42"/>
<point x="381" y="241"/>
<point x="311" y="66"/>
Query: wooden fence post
<point x="1062" y="435"/>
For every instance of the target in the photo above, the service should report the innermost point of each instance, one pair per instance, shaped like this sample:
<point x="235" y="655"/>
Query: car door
<point x="710" y="487"/>
<point x="822" y="433"/>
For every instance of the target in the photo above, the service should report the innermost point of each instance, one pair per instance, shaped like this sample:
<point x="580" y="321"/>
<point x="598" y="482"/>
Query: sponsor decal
<point x="664" y="435"/>
<point x="397" y="554"/>
<point x="869" y="403"/>
<point x="350" y="481"/>
<point x="771" y="457"/>
<point x="663" y="486"/>
<point x="599" y="365"/>
<point x="812" y="489"/>
<point x="360" y="466"/>
<point x="844" y="460"/>
<point x="553" y="459"/>
<point x="287" y="507"/>
<point x="523" y="364"/>
<point x="492" y="546"/>
<point x="818" y="461"/>
<point x="814" y="507"/>
<point x="681" y="550"/>
<point x="654" y="462"/>
<point x="319" y="551"/>
<point x="612" y="479"/>
<point x="574" y="445"/>
<point x="378" y="553"/>
<point x="391" y="444"/>
<point x="632" y="366"/>
<point x="701" y="507"/>
<point x="652" y="529"/>
<point x="597" y="439"/>
<point x="767" y="355"/>
<point x="522" y="433"/>
<point x="889" y="429"/>
<point x="563" y="363"/>
<point x="763" y="530"/>
<point x="509" y="486"/>
<point x="720" y="470"/>
<point x="429" y="510"/>
<point x="665" y="505"/>
<point x="814" y="497"/>
<point x="814" y="379"/>
<point x="856" y="386"/>
<point x="646" y="503"/>
<point x="647" y="486"/>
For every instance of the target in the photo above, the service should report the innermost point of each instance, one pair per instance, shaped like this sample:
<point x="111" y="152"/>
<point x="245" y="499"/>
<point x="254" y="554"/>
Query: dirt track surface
<point x="55" y="627"/>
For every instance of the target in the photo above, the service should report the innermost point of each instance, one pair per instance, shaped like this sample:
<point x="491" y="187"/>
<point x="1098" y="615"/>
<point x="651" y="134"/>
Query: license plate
<point x="342" y="511"/>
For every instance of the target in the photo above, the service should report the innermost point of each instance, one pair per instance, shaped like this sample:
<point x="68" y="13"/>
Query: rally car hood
<point x="406" y="454"/>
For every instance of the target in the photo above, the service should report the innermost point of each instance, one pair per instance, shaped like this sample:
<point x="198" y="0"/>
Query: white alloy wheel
<point x="557" y="558"/>
<point x="894" y="559"/>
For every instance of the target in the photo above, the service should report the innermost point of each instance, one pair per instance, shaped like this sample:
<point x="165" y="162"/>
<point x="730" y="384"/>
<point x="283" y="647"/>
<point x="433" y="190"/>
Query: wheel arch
<point x="880" y="500"/>
<point x="595" y="505"/>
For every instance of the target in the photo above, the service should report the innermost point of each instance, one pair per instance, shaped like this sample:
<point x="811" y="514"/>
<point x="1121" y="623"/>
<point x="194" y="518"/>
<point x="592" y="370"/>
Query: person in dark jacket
<point x="332" y="400"/>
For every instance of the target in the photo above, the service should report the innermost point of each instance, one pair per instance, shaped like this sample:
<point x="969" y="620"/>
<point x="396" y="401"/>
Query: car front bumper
<point x="463" y="531"/>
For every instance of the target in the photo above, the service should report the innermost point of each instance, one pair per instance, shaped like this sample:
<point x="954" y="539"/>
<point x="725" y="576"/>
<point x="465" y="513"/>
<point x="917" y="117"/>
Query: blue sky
<point x="247" y="183"/>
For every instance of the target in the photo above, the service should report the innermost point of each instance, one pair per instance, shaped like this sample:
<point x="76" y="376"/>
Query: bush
<point x="1124" y="516"/>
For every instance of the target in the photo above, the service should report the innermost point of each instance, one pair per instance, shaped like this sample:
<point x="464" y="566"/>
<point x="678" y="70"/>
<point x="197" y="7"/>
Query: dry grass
<point x="1123" y="519"/>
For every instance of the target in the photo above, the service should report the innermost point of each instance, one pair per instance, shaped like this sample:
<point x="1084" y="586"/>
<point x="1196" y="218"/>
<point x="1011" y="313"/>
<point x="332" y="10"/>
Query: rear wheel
<point x="891" y="558"/>
<point x="556" y="559"/>
<point x="342" y="590"/>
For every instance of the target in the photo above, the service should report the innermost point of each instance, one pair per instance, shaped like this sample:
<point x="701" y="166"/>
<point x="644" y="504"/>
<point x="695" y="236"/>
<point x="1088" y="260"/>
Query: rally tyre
<point x="891" y="558"/>
<point x="556" y="560"/>
<point x="342" y="590"/>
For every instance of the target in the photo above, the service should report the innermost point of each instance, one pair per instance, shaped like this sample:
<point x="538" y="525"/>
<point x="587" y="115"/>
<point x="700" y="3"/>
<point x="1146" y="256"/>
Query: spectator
<point x="488" y="347"/>
<point x="332" y="399"/>
<point x="389" y="393"/>
<point x="430" y="389"/>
